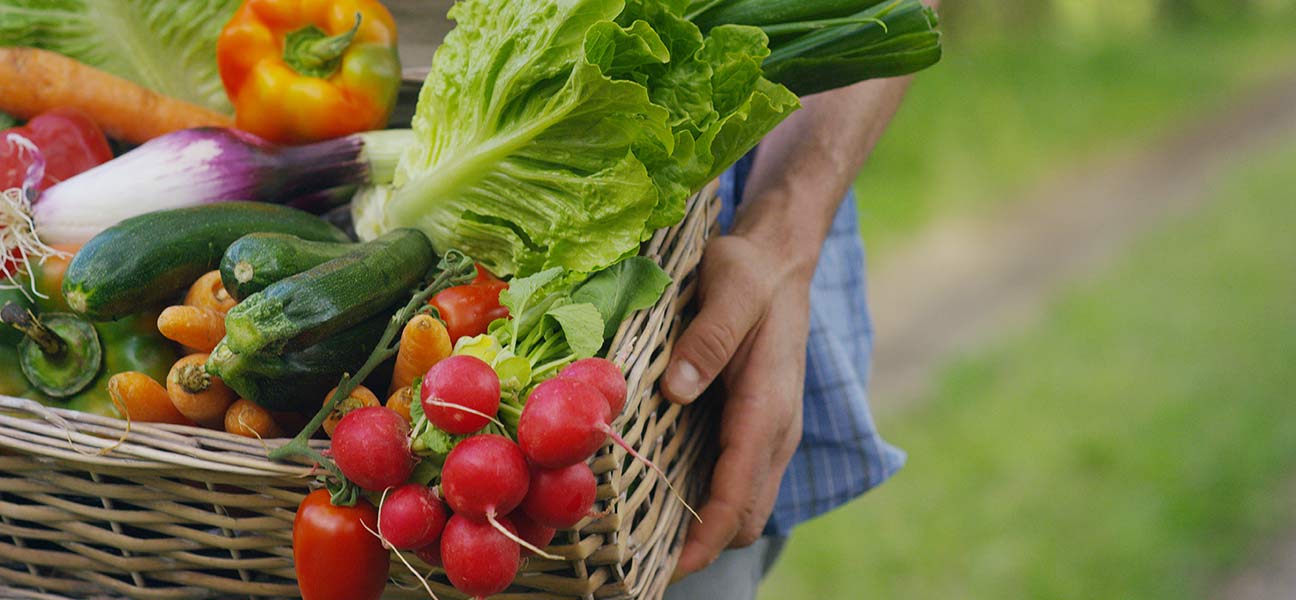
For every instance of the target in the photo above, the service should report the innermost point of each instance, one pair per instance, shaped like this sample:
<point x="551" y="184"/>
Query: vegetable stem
<point x="23" y="320"/>
<point x="310" y="52"/>
<point x="455" y="269"/>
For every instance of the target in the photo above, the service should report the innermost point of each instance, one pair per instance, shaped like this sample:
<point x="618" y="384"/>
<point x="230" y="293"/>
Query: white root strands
<point x="452" y="406"/>
<point x="17" y="229"/>
<point x="387" y="545"/>
<point x="490" y="516"/>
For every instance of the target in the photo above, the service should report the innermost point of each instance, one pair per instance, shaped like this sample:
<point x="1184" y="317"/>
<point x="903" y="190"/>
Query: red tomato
<point x="335" y="557"/>
<point x="67" y="138"/>
<point x="469" y="309"/>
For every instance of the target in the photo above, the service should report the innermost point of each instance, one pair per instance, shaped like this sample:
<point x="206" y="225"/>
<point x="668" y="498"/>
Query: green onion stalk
<point x="819" y="45"/>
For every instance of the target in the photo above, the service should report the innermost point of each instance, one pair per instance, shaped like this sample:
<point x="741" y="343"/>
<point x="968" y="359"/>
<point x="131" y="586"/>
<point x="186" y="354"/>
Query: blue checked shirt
<point x="841" y="455"/>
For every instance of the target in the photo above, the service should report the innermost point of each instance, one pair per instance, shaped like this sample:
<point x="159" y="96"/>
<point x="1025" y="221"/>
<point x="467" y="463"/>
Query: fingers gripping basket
<point x="95" y="507"/>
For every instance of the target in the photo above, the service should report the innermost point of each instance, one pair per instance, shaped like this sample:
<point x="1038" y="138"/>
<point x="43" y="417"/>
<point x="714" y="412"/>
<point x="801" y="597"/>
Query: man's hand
<point x="754" y="298"/>
<point x="751" y="331"/>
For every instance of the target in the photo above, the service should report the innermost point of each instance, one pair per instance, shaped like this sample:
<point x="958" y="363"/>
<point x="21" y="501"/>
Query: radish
<point x="534" y="533"/>
<point x="603" y="375"/>
<point x="565" y="422"/>
<point x="431" y="553"/>
<point x="485" y="477"/>
<point x="560" y="498"/>
<point x="461" y="394"/>
<point x="411" y="517"/>
<point x="479" y="559"/>
<point x="371" y="447"/>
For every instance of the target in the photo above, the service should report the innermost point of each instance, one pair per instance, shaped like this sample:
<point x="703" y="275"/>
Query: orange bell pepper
<point x="307" y="70"/>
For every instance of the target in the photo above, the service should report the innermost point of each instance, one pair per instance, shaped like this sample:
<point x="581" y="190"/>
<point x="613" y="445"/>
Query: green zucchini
<point x="311" y="305"/>
<point x="298" y="379"/>
<point x="257" y="260"/>
<point x="147" y="259"/>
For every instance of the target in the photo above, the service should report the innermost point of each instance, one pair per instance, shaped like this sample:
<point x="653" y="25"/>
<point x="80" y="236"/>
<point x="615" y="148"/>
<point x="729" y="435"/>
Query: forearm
<point x="805" y="166"/>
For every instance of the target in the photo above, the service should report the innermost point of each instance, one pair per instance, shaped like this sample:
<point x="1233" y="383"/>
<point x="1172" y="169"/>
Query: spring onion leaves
<point x="818" y="45"/>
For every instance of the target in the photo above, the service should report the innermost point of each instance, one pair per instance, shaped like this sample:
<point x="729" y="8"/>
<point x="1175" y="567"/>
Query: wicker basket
<point x="179" y="512"/>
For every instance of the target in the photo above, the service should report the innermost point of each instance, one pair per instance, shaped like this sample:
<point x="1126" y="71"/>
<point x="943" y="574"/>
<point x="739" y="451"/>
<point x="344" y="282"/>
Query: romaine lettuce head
<point x="561" y="133"/>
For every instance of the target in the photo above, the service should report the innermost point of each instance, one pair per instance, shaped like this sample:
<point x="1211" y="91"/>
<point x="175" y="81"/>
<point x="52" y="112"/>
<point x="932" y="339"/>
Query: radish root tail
<point x="386" y="544"/>
<point x="490" y="516"/>
<point x="616" y="437"/>
<point x="452" y="406"/>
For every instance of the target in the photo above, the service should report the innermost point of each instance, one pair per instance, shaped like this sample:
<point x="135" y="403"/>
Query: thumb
<point x="726" y="315"/>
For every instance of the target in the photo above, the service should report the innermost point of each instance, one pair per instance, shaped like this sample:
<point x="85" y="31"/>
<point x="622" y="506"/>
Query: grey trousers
<point x="735" y="575"/>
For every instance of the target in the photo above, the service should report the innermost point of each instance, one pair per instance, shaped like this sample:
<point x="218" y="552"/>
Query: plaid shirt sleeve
<point x="841" y="455"/>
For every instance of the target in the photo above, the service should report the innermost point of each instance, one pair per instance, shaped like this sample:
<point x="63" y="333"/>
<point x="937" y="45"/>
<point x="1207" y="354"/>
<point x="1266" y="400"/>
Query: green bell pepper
<point x="130" y="344"/>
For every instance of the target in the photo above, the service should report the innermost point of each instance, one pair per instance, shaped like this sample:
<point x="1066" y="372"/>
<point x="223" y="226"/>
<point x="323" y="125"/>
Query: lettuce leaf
<point x="168" y="46"/>
<point x="562" y="133"/>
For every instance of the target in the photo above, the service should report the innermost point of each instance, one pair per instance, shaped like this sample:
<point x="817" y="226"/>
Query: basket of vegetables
<point x="442" y="382"/>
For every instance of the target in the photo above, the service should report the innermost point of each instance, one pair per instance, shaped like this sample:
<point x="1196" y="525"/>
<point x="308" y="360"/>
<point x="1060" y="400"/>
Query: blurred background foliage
<point x="1138" y="439"/>
<point x="1029" y="87"/>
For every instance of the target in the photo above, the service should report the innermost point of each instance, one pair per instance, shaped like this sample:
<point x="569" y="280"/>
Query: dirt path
<point x="963" y="283"/>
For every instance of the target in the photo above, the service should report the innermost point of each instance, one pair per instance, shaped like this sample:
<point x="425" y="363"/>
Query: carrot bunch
<point x="190" y="396"/>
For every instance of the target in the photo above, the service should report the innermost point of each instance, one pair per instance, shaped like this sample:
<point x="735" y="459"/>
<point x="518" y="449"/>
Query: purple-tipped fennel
<point x="201" y="166"/>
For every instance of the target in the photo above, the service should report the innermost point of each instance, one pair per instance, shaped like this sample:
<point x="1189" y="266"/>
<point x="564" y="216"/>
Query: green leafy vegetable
<point x="168" y="46"/>
<point x="428" y="442"/>
<point x="561" y="133"/>
<point x="582" y="327"/>
<point x="632" y="284"/>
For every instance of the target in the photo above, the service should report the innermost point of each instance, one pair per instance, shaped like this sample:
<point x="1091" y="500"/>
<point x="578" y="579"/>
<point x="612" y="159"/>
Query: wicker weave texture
<point x="93" y="507"/>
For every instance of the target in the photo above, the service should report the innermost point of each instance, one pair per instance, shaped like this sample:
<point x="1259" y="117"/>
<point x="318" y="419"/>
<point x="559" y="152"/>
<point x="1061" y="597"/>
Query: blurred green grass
<point x="1132" y="445"/>
<point x="1002" y="112"/>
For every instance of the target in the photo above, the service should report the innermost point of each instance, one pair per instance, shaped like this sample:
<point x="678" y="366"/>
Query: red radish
<point x="486" y="477"/>
<point x="560" y="498"/>
<point x="371" y="446"/>
<point x="565" y="422"/>
<point x="461" y="394"/>
<point x="534" y="533"/>
<point x="485" y="474"/>
<point x="478" y="559"/>
<point x="603" y="375"/>
<point x="411" y="517"/>
<point x="430" y="554"/>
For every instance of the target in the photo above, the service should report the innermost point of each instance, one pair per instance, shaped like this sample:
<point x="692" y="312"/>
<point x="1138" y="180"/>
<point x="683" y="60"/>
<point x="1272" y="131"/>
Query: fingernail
<point x="684" y="381"/>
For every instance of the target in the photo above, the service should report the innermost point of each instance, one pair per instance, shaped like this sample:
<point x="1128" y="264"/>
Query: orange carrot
<point x="139" y="398"/>
<point x="209" y="292"/>
<point x="424" y="342"/>
<point x="400" y="401"/>
<point x="359" y="398"/>
<point x="33" y="81"/>
<point x="197" y="328"/>
<point x="197" y="395"/>
<point x="248" y="419"/>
